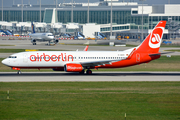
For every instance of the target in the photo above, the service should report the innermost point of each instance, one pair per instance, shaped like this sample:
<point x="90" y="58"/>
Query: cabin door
<point x="137" y="57"/>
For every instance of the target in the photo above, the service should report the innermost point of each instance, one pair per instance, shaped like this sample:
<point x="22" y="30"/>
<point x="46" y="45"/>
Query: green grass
<point x="171" y="45"/>
<point x="128" y="45"/>
<point x="176" y="50"/>
<point x="90" y="101"/>
<point x="162" y="64"/>
<point x="7" y="45"/>
<point x="162" y="45"/>
<point x="11" y="50"/>
<point x="84" y="44"/>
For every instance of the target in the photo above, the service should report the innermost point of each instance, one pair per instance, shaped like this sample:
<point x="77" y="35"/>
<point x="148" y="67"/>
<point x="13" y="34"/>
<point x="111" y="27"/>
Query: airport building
<point x="126" y="17"/>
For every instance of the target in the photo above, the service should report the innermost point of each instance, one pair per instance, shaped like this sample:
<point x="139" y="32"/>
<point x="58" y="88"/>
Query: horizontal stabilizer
<point x="154" y="54"/>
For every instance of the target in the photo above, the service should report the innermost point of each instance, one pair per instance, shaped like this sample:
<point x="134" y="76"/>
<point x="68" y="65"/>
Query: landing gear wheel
<point x="88" y="72"/>
<point x="19" y="72"/>
<point x="82" y="72"/>
<point x="34" y="43"/>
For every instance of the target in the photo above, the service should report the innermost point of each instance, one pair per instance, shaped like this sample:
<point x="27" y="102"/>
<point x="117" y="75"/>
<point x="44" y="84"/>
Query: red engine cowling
<point x="71" y="67"/>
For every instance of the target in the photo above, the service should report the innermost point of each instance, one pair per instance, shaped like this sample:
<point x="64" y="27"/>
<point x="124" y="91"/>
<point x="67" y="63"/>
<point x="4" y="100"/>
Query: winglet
<point x="86" y="48"/>
<point x="130" y="55"/>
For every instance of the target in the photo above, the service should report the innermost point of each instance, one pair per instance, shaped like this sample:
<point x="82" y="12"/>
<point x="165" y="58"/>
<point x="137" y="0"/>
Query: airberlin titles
<point x="54" y="58"/>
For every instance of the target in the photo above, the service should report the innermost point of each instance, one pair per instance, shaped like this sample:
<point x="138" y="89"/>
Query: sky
<point x="9" y="3"/>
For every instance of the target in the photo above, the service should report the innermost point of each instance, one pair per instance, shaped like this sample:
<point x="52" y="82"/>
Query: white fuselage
<point x="48" y="59"/>
<point x="78" y="61"/>
<point x="42" y="36"/>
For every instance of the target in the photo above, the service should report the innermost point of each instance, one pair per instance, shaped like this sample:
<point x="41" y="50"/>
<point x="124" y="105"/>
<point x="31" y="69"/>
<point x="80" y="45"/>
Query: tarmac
<point x="95" y="77"/>
<point x="67" y="45"/>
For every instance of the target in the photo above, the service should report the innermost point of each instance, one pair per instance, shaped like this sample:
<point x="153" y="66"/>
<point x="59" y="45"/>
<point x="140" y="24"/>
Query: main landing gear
<point x="19" y="72"/>
<point x="88" y="72"/>
<point x="34" y="43"/>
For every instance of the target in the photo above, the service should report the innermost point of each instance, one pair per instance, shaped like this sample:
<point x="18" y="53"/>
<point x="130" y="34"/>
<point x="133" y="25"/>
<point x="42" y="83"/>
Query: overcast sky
<point x="8" y="3"/>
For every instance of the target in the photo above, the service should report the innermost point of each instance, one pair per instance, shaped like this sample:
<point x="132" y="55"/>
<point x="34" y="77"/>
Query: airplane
<point x="81" y="61"/>
<point x="41" y="37"/>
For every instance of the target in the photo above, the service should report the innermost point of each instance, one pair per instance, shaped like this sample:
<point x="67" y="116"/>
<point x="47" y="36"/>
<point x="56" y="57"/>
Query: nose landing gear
<point x="19" y="72"/>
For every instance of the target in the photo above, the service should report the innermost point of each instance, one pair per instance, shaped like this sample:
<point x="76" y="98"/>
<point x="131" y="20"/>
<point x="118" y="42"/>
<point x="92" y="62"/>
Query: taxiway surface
<point x="96" y="76"/>
<point x="26" y="44"/>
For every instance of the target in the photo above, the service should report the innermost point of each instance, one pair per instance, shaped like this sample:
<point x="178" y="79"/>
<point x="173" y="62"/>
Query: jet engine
<point x="71" y="67"/>
<point x="33" y="40"/>
<point x="56" y="41"/>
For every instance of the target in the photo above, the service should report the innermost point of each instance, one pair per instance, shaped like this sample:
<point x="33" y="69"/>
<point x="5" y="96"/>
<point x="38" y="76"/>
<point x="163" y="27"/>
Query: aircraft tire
<point x="19" y="72"/>
<point x="88" y="72"/>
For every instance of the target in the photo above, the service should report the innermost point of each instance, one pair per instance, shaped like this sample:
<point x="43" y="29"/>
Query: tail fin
<point x="153" y="41"/>
<point x="32" y="26"/>
<point x="86" y="48"/>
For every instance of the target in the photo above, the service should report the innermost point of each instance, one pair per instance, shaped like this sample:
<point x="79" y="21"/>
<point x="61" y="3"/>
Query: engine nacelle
<point x="71" y="67"/>
<point x="56" y="41"/>
<point x="33" y="41"/>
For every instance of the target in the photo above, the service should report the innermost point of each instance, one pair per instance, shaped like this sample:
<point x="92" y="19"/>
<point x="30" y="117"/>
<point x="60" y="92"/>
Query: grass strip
<point x="171" y="45"/>
<point x="90" y="100"/>
<point x="176" y="50"/>
<point x="7" y="45"/>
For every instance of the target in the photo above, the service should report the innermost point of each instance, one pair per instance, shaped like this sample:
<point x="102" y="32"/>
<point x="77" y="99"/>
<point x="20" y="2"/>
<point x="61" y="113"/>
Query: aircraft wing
<point x="97" y="63"/>
<point x="37" y="38"/>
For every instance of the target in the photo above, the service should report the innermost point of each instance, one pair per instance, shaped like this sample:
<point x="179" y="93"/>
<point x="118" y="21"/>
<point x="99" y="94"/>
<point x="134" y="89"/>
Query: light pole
<point x="56" y="12"/>
<point x="88" y="13"/>
<point x="72" y="13"/>
<point x="142" y="21"/>
<point x="40" y="11"/>
<point x="2" y="10"/>
<point x="111" y="19"/>
<point x="22" y="10"/>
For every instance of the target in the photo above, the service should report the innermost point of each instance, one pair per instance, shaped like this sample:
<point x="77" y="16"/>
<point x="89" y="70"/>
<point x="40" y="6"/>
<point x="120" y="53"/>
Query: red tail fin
<point x="153" y="41"/>
<point x="86" y="48"/>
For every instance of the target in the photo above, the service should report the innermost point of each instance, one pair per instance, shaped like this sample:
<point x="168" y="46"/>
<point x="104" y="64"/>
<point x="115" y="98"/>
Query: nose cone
<point x="5" y="62"/>
<point x="51" y="37"/>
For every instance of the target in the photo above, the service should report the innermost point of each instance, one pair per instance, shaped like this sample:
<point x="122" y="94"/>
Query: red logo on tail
<point x="155" y="38"/>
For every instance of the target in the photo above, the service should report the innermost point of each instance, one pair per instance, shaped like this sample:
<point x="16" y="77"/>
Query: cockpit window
<point x="12" y="57"/>
<point x="50" y="35"/>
